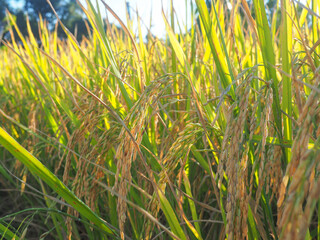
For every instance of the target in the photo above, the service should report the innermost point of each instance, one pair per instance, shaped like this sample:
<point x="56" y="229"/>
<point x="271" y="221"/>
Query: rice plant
<point x="213" y="133"/>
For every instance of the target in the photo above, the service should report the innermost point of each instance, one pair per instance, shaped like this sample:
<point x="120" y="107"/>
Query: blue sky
<point x="146" y="9"/>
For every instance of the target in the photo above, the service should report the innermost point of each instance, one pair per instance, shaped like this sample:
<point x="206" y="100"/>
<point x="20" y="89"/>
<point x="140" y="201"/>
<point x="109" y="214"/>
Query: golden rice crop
<point x="209" y="134"/>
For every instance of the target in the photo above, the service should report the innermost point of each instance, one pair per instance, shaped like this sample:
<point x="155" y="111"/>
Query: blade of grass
<point x="39" y="170"/>
<point x="171" y="216"/>
<point x="315" y="30"/>
<point x="97" y="24"/>
<point x="224" y="69"/>
<point x="192" y="205"/>
<point x="286" y="53"/>
<point x="268" y="55"/>
<point x="6" y="233"/>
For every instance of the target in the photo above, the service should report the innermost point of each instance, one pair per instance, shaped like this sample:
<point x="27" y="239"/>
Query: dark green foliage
<point x="3" y="7"/>
<point x="68" y="11"/>
<point x="41" y="7"/>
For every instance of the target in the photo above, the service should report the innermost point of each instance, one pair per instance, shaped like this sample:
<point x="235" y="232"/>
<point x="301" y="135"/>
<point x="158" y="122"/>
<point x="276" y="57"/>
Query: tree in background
<point x="36" y="7"/>
<point x="272" y="4"/>
<point x="72" y="16"/>
<point x="4" y="6"/>
<point x="68" y="11"/>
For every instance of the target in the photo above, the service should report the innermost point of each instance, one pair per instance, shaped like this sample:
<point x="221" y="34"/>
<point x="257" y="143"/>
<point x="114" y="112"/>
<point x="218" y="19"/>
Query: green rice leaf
<point x="39" y="170"/>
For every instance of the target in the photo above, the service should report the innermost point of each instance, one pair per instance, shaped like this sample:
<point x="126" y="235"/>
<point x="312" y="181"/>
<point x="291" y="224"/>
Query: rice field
<point x="213" y="133"/>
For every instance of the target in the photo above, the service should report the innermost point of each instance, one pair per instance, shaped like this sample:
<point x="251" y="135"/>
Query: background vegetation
<point x="68" y="11"/>
<point x="208" y="134"/>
